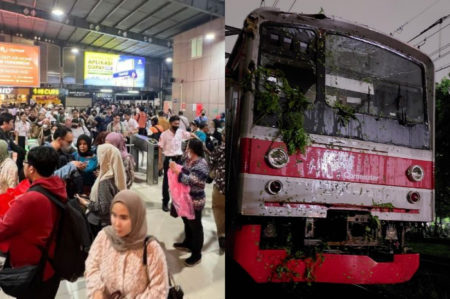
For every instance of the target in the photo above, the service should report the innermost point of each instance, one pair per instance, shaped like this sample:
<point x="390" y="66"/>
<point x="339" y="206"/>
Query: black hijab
<point x="88" y="141"/>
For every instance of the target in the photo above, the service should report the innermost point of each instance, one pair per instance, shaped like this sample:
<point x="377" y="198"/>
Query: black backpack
<point x="73" y="238"/>
<point x="156" y="135"/>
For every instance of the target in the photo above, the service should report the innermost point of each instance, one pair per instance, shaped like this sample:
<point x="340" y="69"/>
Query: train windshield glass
<point x="373" y="80"/>
<point x="292" y="52"/>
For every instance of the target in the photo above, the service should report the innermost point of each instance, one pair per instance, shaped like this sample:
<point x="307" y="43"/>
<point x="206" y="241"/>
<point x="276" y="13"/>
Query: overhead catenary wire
<point x="292" y="5"/>
<point x="400" y="29"/>
<point x="431" y="35"/>
<point x="443" y="68"/>
<point x="439" y="21"/>
<point x="440" y="49"/>
<point x="441" y="56"/>
<point x="275" y="3"/>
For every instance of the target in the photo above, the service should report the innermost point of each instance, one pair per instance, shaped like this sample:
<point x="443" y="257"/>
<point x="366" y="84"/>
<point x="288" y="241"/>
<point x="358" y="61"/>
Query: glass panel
<point x="292" y="51"/>
<point x="199" y="47"/>
<point x="193" y="48"/>
<point x="373" y="80"/>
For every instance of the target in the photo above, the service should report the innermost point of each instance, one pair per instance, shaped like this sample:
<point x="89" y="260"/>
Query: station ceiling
<point x="139" y="27"/>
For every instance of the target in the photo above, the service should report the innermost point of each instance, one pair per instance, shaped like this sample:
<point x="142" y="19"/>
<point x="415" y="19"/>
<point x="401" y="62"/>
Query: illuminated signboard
<point x="6" y="90"/>
<point x="19" y="65"/>
<point x="103" y="69"/>
<point x="46" y="91"/>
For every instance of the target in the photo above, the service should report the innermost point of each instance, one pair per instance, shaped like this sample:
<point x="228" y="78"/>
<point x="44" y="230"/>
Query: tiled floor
<point x="205" y="280"/>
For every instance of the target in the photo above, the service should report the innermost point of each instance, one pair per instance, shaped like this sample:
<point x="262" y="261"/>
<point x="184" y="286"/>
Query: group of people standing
<point x="83" y="156"/>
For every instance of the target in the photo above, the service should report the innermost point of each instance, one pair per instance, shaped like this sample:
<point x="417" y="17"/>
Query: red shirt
<point x="142" y="119"/>
<point x="29" y="222"/>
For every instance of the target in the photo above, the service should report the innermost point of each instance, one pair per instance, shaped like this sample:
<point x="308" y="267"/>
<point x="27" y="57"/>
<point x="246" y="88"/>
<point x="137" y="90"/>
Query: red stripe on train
<point x="335" y="165"/>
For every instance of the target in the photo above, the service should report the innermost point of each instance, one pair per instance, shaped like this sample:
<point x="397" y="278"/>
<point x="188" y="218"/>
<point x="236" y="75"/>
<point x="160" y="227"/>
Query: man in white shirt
<point x="184" y="121"/>
<point x="131" y="125"/>
<point x="170" y="146"/>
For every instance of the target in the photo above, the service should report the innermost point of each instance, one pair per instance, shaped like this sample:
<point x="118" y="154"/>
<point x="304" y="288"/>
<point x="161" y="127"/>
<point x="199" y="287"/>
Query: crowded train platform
<point x="89" y="163"/>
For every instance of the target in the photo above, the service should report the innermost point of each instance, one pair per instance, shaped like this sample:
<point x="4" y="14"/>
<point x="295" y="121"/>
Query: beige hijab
<point x="3" y="150"/>
<point x="111" y="166"/>
<point x="136" y="209"/>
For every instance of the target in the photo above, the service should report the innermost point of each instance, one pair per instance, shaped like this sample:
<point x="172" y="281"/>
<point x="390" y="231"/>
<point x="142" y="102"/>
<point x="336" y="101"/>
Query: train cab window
<point x="291" y="51"/>
<point x="373" y="80"/>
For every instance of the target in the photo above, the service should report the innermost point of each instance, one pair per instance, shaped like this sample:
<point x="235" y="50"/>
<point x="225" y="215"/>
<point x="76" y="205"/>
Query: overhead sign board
<point x="102" y="69"/>
<point x="19" y="65"/>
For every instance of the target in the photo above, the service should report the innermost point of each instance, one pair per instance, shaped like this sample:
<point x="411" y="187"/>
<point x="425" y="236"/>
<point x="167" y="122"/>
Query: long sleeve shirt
<point x="217" y="162"/>
<point x="127" y="274"/>
<point x="194" y="174"/>
<point x="100" y="209"/>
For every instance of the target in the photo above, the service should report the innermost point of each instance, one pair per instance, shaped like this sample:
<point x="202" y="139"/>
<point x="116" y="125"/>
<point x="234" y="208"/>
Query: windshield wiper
<point x="401" y="108"/>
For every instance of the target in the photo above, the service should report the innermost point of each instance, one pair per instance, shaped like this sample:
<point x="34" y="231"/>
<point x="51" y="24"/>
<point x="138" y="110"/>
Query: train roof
<point x="320" y="21"/>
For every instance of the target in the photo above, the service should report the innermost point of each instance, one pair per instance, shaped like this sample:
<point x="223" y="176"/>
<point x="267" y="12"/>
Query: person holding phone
<point x="111" y="179"/>
<point x="85" y="155"/>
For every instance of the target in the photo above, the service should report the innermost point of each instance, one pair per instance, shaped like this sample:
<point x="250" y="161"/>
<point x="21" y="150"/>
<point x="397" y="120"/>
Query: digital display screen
<point x="103" y="69"/>
<point x="19" y="65"/>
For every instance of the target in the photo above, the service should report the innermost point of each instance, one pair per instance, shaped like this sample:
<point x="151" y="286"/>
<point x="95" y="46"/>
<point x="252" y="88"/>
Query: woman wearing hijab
<point x="85" y="154"/>
<point x="118" y="141"/>
<point x="8" y="169"/>
<point x="99" y="140"/>
<point x="123" y="242"/>
<point x="110" y="180"/>
<point x="194" y="173"/>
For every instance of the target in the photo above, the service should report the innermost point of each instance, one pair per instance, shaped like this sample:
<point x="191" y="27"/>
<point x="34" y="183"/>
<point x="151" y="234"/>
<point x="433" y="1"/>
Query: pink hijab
<point x="118" y="141"/>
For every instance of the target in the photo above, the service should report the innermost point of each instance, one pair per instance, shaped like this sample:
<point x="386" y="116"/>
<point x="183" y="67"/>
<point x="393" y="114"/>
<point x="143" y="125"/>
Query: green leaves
<point x="344" y="113"/>
<point x="273" y="87"/>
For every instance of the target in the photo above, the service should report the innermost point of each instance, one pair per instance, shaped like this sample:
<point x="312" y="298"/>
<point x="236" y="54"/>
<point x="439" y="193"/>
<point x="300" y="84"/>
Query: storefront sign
<point x="79" y="94"/>
<point x="6" y="90"/>
<point x="10" y="95"/>
<point x="19" y="65"/>
<point x="45" y="91"/>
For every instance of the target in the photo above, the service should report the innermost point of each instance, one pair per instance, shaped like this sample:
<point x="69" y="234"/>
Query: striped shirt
<point x="194" y="174"/>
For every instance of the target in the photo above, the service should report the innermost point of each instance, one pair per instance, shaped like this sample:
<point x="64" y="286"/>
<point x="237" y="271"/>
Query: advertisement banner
<point x="104" y="69"/>
<point x="19" y="65"/>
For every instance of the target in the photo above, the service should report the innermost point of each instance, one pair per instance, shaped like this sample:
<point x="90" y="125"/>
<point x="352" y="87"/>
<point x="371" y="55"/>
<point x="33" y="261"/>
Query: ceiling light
<point x="169" y="60"/>
<point x="75" y="51"/>
<point x="210" y="36"/>
<point x="57" y="12"/>
<point x="133" y="91"/>
<point x="106" y="90"/>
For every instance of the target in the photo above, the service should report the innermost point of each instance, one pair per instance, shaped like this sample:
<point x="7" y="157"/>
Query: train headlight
<point x="413" y="196"/>
<point x="274" y="187"/>
<point x="415" y="173"/>
<point x="277" y="158"/>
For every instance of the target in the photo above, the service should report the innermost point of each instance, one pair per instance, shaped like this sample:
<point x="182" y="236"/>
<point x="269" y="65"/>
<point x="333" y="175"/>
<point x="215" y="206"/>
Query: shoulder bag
<point x="175" y="291"/>
<point x="18" y="282"/>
